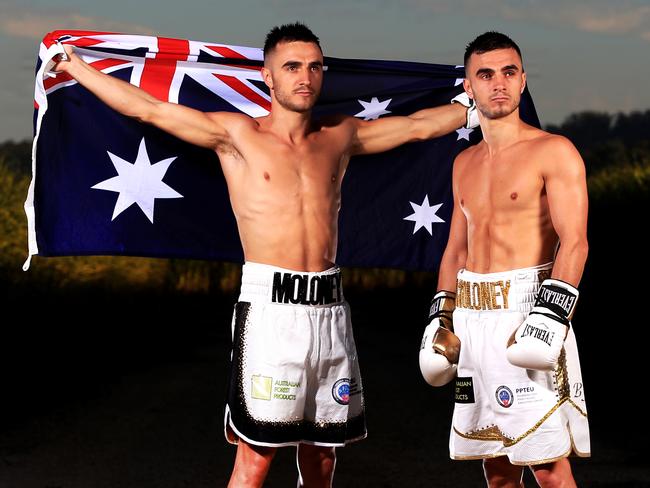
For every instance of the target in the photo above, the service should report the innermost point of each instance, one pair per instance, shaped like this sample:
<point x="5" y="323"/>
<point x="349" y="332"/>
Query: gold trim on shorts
<point x="479" y="456"/>
<point x="493" y="433"/>
<point x="544" y="461"/>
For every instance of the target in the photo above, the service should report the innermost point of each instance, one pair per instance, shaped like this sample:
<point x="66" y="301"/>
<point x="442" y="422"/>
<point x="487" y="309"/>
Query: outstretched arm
<point x="196" y="127"/>
<point x="566" y="188"/>
<point x="383" y="134"/>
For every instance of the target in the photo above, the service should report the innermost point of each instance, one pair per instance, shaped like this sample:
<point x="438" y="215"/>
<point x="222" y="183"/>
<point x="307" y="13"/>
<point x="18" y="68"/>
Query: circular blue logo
<point x="504" y="396"/>
<point x="341" y="391"/>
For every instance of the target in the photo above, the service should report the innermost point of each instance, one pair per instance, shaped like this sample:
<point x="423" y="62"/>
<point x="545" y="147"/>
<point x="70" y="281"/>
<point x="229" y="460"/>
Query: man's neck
<point x="289" y="125"/>
<point x="500" y="133"/>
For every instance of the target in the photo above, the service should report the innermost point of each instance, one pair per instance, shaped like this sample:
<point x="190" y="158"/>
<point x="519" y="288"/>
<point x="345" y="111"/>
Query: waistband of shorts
<point x="270" y="284"/>
<point x="504" y="290"/>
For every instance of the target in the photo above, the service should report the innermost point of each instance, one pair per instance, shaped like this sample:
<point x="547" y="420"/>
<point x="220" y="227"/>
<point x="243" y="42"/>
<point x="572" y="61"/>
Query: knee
<point x="327" y="459"/>
<point x="548" y="479"/>
<point x="245" y="478"/>
<point x="324" y="458"/>
<point x="316" y="465"/>
<point x="498" y="480"/>
<point x="499" y="473"/>
<point x="554" y="475"/>
<point x="259" y="463"/>
<point x="251" y="466"/>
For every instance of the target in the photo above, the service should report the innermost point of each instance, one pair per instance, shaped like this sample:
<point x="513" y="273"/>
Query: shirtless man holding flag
<point x="294" y="374"/>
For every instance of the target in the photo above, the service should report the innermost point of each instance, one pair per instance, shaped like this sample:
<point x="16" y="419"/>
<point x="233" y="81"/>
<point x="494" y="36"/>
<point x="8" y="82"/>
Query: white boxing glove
<point x="472" y="112"/>
<point x="538" y="342"/>
<point x="440" y="347"/>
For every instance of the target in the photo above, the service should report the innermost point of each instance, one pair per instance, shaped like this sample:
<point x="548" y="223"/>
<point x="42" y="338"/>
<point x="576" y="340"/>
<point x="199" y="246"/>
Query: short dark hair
<point x="490" y="41"/>
<point x="289" y="33"/>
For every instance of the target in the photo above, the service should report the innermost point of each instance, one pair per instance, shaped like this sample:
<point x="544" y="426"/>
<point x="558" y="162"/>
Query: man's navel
<point x="267" y="177"/>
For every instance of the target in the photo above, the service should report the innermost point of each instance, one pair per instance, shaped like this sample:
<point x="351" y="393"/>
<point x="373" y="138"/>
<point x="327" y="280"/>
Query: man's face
<point x="294" y="73"/>
<point x="495" y="80"/>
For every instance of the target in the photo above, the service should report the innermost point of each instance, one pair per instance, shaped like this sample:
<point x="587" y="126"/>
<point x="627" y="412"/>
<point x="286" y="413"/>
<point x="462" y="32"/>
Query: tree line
<point x="616" y="151"/>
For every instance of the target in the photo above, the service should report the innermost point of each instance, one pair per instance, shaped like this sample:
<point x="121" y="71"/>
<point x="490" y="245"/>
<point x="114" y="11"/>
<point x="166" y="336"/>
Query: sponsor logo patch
<point x="527" y="393"/>
<point x="341" y="391"/>
<point x="261" y="387"/>
<point x="504" y="396"/>
<point x="285" y="389"/>
<point x="464" y="392"/>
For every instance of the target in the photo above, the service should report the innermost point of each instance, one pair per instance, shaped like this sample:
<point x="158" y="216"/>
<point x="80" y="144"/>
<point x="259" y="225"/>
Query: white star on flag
<point x="140" y="182"/>
<point x="424" y="215"/>
<point x="463" y="133"/>
<point x="373" y="109"/>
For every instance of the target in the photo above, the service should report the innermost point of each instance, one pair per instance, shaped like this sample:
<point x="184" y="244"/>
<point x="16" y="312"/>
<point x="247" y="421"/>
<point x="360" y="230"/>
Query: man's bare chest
<point x="510" y="185"/>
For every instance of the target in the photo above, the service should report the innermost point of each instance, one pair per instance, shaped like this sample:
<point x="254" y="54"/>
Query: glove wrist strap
<point x="442" y="305"/>
<point x="558" y="297"/>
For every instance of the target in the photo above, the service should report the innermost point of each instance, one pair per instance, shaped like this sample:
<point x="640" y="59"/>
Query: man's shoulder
<point x="234" y="118"/>
<point x="335" y="121"/>
<point x="547" y="140"/>
<point x="554" y="152"/>
<point x="470" y="152"/>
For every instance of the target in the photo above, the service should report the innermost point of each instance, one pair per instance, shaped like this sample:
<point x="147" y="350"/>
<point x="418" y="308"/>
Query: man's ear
<point x="468" y="88"/>
<point x="266" y="77"/>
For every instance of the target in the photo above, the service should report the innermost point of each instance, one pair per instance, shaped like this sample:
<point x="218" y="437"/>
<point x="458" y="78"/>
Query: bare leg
<point x="499" y="473"/>
<point x="252" y="464"/>
<point x="554" y="475"/>
<point x="316" y="466"/>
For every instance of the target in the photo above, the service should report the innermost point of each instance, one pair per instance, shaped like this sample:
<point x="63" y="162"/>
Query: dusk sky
<point x="579" y="55"/>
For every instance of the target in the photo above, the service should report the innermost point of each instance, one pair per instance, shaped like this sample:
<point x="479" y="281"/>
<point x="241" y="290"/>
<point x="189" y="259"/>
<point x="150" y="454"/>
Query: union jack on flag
<point x="159" y="66"/>
<point x="107" y="184"/>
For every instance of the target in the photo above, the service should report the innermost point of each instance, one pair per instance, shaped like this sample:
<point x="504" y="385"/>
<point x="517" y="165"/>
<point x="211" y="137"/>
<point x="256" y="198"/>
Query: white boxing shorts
<point x="533" y="417"/>
<point x="294" y="375"/>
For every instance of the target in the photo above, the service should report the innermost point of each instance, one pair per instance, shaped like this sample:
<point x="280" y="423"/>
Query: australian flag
<point x="105" y="184"/>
